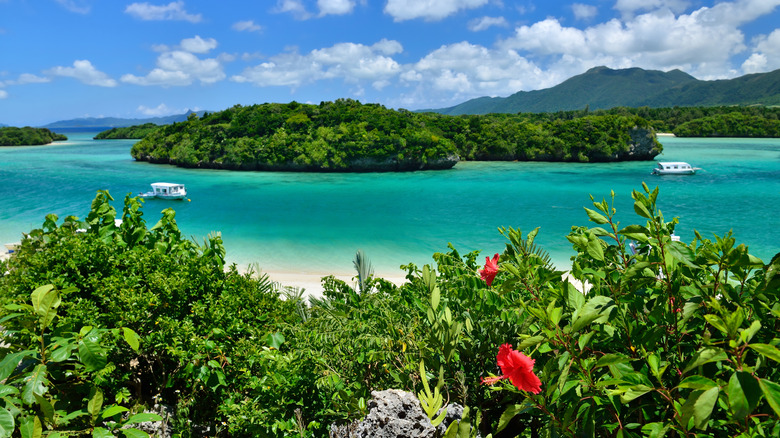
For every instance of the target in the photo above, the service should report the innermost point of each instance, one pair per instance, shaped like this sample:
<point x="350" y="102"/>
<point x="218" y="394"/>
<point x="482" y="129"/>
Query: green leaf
<point x="596" y="217"/>
<point x="101" y="432"/>
<point x="35" y="383"/>
<point x="7" y="390"/>
<point x="697" y="382"/>
<point x="27" y="426"/>
<point x="706" y="355"/>
<point x="92" y="355"/>
<point x="61" y="353"/>
<point x="46" y="407"/>
<point x="274" y="340"/>
<point x="767" y="350"/>
<point x="594" y="308"/>
<point x="635" y="232"/>
<point x="143" y="418"/>
<point x="744" y="394"/>
<point x="702" y="409"/>
<point x="111" y="411"/>
<point x="131" y="338"/>
<point x="530" y="342"/>
<point x="134" y="433"/>
<point x="10" y="362"/>
<point x="717" y="322"/>
<point x="95" y="403"/>
<point x="682" y="253"/>
<point x="612" y="359"/>
<point x="595" y="249"/>
<point x="7" y="424"/>
<point x="641" y="210"/>
<point x="45" y="300"/>
<point x="771" y="391"/>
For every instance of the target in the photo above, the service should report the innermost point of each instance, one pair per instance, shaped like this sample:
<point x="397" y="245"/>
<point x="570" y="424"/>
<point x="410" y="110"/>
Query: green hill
<point x="603" y="88"/>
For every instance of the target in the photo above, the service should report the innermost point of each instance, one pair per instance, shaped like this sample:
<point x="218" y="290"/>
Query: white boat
<point x="674" y="168"/>
<point x="163" y="190"/>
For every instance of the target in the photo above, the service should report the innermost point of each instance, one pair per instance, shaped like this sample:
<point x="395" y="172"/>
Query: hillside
<point x="116" y="122"/>
<point x="603" y="88"/>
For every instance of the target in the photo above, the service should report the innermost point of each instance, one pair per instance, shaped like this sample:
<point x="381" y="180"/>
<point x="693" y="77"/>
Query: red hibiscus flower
<point x="518" y="368"/>
<point x="488" y="273"/>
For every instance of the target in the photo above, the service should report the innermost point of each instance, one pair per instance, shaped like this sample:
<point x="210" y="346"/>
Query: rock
<point x="396" y="414"/>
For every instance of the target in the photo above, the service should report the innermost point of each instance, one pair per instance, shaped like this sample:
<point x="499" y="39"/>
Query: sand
<point x="312" y="283"/>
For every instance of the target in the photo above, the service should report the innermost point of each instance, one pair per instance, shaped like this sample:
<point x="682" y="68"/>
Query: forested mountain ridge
<point x="604" y="88"/>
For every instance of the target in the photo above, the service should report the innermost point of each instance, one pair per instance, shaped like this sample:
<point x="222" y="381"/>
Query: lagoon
<point x="312" y="223"/>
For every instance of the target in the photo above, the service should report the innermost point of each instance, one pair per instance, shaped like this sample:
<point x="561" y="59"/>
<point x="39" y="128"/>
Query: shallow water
<point x="306" y="222"/>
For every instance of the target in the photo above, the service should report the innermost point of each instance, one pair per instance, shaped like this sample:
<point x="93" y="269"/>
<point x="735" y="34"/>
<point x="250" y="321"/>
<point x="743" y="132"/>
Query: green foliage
<point x="197" y="322"/>
<point x="347" y="136"/>
<point x="48" y="371"/>
<point x="10" y="136"/>
<point x="670" y="338"/>
<point x="136" y="131"/>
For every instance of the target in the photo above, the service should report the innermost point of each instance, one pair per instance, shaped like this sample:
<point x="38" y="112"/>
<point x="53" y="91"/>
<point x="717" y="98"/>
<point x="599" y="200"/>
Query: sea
<point x="313" y="223"/>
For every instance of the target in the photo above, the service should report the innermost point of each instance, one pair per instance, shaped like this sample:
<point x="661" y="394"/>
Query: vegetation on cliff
<point x="671" y="338"/>
<point x="137" y="131"/>
<point x="346" y="135"/>
<point x="11" y="136"/>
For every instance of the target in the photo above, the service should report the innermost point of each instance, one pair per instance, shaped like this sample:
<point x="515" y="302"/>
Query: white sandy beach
<point x="312" y="283"/>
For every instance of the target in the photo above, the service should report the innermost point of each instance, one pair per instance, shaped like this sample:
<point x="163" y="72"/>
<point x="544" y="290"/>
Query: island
<point x="348" y="136"/>
<point x="27" y="136"/>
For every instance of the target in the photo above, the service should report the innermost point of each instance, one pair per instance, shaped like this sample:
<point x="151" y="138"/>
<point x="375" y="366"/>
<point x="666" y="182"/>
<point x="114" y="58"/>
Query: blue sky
<point x="63" y="59"/>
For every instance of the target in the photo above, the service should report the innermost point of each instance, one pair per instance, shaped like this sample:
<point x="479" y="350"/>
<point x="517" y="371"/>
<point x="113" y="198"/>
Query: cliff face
<point x="644" y="146"/>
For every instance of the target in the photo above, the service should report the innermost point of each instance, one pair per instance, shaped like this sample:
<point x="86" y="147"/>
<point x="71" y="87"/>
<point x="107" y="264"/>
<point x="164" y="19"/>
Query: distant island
<point x="27" y="136"/>
<point x="128" y="132"/>
<point x="347" y="136"/>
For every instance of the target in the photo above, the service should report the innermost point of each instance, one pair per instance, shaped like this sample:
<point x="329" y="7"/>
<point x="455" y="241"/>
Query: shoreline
<point x="312" y="284"/>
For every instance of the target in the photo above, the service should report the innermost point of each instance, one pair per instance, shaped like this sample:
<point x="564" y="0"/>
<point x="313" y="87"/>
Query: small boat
<point x="674" y="168"/>
<point x="162" y="190"/>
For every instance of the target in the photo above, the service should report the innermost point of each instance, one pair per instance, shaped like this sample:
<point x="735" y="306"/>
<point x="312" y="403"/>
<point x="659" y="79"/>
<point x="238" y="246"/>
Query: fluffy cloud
<point x="630" y="7"/>
<point x="247" y="26"/>
<point x="430" y="10"/>
<point x="583" y="11"/>
<point x="198" y="44"/>
<point x="353" y="63"/>
<point x="171" y="11"/>
<point x="483" y="23"/>
<point x="701" y="42"/>
<point x="160" y="110"/>
<point x="85" y="72"/>
<point x="294" y="7"/>
<point x="335" y="7"/>
<point x="181" y="67"/>
<point x="3" y="94"/>
<point x="766" y="54"/>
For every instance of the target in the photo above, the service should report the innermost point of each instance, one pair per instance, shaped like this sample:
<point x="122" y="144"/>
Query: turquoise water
<point x="314" y="223"/>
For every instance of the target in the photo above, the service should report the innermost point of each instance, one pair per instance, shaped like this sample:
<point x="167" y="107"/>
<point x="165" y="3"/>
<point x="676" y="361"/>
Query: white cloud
<point x="701" y="42"/>
<point x="198" y="44"/>
<point x="335" y="7"/>
<point x="171" y="11"/>
<point x="583" y="11"/>
<point x="28" y="78"/>
<point x="483" y="23"/>
<point x="766" y="54"/>
<point x="630" y="7"/>
<point x="77" y="6"/>
<point x="3" y="94"/>
<point x="180" y="68"/>
<point x="294" y="7"/>
<point x="430" y="10"/>
<point x="159" y="110"/>
<point x="85" y="72"/>
<point x="247" y="26"/>
<point x="350" y="62"/>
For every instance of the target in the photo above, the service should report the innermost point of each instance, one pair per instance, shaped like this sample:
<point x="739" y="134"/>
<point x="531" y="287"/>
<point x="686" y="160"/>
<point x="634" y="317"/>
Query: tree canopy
<point x="27" y="136"/>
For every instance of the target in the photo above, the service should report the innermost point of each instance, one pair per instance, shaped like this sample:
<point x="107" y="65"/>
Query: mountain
<point x="604" y="88"/>
<point x="114" y="122"/>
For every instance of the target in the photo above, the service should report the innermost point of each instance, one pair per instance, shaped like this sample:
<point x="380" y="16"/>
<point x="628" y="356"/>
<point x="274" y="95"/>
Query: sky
<point x="65" y="59"/>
